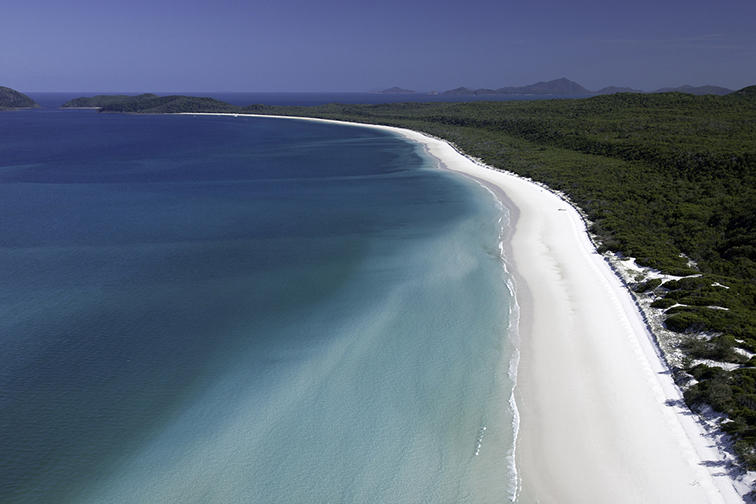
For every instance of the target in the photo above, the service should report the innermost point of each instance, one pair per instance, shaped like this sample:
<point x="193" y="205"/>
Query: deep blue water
<point x="215" y="309"/>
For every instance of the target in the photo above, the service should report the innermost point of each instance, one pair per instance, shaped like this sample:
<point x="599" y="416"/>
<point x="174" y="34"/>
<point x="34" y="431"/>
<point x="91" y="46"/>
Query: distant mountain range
<point x="615" y="90"/>
<point x="559" y="87"/>
<point x="565" y="87"/>
<point x="397" y="90"/>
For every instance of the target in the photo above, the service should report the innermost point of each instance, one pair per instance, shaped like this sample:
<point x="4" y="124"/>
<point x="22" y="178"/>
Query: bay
<point x="219" y="309"/>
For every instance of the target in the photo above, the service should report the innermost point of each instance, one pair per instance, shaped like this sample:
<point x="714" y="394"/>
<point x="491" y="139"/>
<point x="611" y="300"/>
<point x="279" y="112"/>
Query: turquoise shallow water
<point x="212" y="309"/>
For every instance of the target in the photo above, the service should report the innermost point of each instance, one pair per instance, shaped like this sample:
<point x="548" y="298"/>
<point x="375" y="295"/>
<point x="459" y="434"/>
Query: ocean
<point x="218" y="309"/>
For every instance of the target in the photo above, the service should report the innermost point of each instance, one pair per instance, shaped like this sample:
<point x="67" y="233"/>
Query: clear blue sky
<point x="340" y="45"/>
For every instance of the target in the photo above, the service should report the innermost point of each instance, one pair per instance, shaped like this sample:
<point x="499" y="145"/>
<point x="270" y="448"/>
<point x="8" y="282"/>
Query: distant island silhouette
<point x="564" y="87"/>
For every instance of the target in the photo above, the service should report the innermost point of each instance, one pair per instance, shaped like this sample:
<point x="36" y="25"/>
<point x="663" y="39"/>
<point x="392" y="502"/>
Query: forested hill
<point x="150" y="104"/>
<point x="697" y="90"/>
<point x="747" y="91"/>
<point x="12" y="99"/>
<point x="100" y="101"/>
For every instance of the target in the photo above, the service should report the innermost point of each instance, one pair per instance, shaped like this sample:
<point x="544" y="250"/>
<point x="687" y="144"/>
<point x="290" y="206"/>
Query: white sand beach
<point x="601" y="419"/>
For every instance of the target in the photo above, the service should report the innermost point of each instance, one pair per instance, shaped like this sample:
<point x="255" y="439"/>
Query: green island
<point x="668" y="179"/>
<point x="148" y="103"/>
<point x="10" y="99"/>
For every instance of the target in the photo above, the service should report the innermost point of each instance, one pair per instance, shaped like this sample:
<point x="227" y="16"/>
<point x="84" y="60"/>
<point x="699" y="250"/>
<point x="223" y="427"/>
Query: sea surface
<point x="235" y="310"/>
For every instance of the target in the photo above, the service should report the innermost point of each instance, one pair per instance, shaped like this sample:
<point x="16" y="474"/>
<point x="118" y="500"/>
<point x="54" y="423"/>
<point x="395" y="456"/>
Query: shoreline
<point x="600" y="418"/>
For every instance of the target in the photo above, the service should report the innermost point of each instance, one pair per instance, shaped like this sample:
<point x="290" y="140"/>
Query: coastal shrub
<point x="663" y="303"/>
<point x="675" y="294"/>
<point x="684" y="321"/>
<point x="718" y="348"/>
<point x="682" y="308"/>
<point x="670" y="284"/>
<point x="700" y="300"/>
<point x="733" y="427"/>
<point x="747" y="452"/>
<point x="693" y="283"/>
<point x="747" y="344"/>
<point x="748" y="403"/>
<point x="718" y="394"/>
<point x="679" y="270"/>
<point x="648" y="285"/>
<point x="713" y="320"/>
<point x="711" y="389"/>
<point x="703" y="372"/>
<point x="731" y="393"/>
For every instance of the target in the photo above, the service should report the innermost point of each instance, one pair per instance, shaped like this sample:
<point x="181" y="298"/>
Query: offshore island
<point x="10" y="99"/>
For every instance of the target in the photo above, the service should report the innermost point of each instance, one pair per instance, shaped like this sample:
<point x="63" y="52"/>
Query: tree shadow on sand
<point x="680" y="404"/>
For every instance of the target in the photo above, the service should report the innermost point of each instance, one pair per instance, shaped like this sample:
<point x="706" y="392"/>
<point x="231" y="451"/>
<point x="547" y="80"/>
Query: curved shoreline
<point x="601" y="416"/>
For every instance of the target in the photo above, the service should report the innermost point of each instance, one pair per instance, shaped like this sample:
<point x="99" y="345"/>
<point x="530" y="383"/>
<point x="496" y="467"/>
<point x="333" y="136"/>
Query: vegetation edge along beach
<point x="665" y="179"/>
